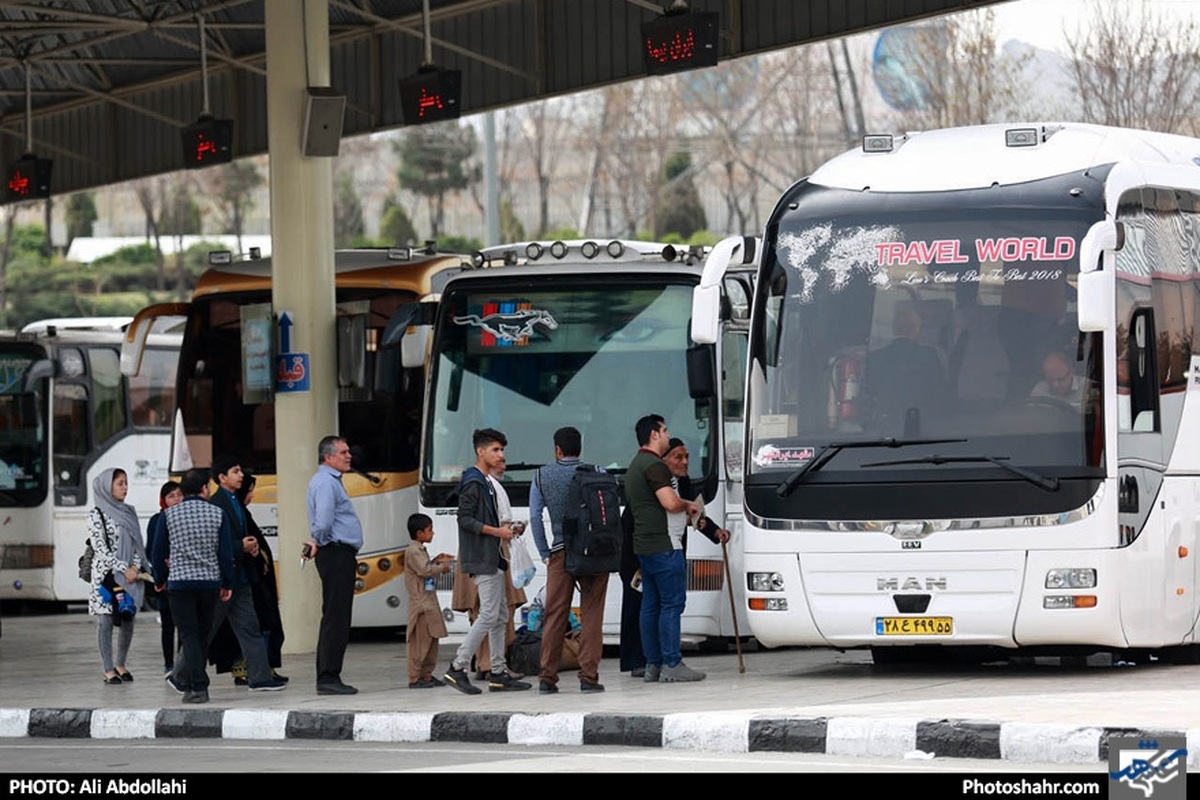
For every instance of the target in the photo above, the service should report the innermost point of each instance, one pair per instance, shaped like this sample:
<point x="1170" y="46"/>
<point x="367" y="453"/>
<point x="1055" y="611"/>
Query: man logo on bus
<point x="512" y="326"/>
<point x="909" y="584"/>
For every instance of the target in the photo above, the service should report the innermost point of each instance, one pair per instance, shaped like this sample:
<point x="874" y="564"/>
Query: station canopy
<point x="109" y="84"/>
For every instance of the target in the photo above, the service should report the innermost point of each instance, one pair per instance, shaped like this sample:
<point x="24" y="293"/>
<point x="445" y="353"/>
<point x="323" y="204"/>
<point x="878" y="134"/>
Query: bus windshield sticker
<point x="12" y="374"/>
<point x="854" y="249"/>
<point x="510" y="322"/>
<point x="949" y="251"/>
<point x="771" y="456"/>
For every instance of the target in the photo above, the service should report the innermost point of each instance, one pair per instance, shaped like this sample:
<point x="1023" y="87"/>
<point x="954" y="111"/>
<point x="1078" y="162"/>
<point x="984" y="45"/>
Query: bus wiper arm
<point x="520" y="465"/>
<point x="833" y="448"/>
<point x="1042" y="481"/>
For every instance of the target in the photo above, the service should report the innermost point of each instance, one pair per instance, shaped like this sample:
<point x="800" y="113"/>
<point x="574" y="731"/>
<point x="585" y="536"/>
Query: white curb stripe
<point x="14" y="723"/>
<point x="123" y="723"/>
<point x="724" y="732"/>
<point x="862" y="736"/>
<point x="254" y="724"/>
<point x="556" y="729"/>
<point x="1057" y="744"/>
<point x="394" y="727"/>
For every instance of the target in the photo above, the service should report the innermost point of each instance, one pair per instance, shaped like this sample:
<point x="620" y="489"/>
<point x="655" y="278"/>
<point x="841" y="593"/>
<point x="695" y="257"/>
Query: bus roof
<point x="353" y="268"/>
<point x="989" y="155"/>
<point x="78" y="324"/>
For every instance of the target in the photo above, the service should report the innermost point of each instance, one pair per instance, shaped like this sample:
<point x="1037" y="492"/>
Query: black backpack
<point x="592" y="522"/>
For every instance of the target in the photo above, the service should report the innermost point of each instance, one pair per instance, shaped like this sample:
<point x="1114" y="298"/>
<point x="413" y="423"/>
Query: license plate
<point x="914" y="626"/>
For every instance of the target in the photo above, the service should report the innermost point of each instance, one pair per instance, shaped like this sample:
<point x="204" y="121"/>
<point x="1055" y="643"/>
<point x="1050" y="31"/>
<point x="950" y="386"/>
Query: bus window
<point x="110" y="404"/>
<point x="152" y="391"/>
<point x="70" y="434"/>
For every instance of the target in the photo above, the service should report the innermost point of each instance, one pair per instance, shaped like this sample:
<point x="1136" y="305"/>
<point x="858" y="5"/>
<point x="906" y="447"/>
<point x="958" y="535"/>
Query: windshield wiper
<point x="833" y="448"/>
<point x="1049" y="484"/>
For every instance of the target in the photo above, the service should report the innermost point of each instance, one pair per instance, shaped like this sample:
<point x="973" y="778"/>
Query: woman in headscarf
<point x="156" y="531"/>
<point x="117" y="591"/>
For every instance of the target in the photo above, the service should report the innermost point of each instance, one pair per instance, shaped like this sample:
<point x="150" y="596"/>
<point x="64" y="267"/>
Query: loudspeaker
<point x="323" y="113"/>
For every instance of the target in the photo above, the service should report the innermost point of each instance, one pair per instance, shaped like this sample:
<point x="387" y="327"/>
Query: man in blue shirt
<point x="549" y="490"/>
<point x="336" y="539"/>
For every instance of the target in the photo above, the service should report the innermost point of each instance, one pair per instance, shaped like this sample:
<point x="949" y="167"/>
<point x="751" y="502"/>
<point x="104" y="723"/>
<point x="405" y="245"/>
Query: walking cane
<point x="737" y="637"/>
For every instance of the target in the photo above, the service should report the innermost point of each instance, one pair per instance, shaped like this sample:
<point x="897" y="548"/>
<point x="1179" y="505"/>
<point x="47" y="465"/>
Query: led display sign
<point x="28" y="178"/>
<point x="209" y="141"/>
<point x="431" y="95"/>
<point x="681" y="41"/>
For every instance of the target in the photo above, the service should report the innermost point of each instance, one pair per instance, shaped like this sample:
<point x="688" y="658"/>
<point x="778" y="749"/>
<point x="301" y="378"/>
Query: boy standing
<point x="425" y="623"/>
<point x="480" y="532"/>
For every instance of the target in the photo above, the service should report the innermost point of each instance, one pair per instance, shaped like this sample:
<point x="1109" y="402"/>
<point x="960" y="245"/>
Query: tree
<point x="396" y="227"/>
<point x="231" y="188"/>
<point x="1133" y="68"/>
<point x="348" y="225"/>
<point x="81" y="215"/>
<point x="437" y="160"/>
<point x="181" y="216"/>
<point x="150" y="192"/>
<point x="679" y="208"/>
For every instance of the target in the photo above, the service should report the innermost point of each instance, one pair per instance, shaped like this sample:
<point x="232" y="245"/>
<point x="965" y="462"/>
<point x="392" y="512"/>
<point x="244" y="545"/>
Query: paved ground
<point x="800" y="700"/>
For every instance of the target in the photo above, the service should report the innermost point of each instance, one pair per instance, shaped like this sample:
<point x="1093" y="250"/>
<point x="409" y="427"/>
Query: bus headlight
<point x="1073" y="578"/>
<point x="764" y="581"/>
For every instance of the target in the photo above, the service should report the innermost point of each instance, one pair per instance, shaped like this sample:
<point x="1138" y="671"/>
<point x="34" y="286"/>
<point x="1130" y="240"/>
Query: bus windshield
<point x="22" y="434"/>
<point x="913" y="317"/>
<point x="593" y="355"/>
<point x="226" y="402"/>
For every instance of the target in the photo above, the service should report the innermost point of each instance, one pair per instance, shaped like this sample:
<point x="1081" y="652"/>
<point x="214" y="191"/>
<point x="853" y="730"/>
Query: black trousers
<point x="335" y="564"/>
<point x="193" y="612"/>
<point x="632" y="656"/>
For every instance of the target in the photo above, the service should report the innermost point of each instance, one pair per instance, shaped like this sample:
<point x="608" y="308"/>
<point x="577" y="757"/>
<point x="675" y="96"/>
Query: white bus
<point x="227" y="401"/>
<point x="973" y="397"/>
<point x="593" y="335"/>
<point x="66" y="415"/>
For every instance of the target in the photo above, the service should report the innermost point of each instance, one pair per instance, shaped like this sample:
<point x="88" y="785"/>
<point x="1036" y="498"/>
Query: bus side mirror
<point x="42" y="368"/>
<point x="1097" y="291"/>
<point x="409" y="327"/>
<point x="706" y="314"/>
<point x="701" y="373"/>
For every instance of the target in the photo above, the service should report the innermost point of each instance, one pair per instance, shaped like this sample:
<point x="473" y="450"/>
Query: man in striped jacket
<point x="195" y="563"/>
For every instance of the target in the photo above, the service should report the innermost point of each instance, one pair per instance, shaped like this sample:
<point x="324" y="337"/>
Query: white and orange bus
<point x="226" y="396"/>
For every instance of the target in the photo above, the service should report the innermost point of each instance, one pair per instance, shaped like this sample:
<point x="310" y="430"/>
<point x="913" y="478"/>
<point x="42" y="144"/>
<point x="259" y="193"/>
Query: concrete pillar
<point x="303" y="279"/>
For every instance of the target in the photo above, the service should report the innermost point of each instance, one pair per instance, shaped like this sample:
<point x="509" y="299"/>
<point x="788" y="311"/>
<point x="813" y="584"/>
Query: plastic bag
<point x="520" y="564"/>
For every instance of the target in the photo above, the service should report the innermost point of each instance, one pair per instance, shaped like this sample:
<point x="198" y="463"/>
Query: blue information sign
<point x="291" y="372"/>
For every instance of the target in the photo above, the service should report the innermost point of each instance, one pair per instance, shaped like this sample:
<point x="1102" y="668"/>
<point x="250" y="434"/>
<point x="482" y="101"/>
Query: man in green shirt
<point x="652" y="497"/>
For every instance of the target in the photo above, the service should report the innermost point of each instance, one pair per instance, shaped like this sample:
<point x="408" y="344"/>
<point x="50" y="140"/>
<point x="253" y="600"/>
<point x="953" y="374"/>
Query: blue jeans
<point x="664" y="590"/>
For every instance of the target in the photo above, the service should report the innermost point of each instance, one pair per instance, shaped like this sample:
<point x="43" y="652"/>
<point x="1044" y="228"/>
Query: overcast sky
<point x="1041" y="22"/>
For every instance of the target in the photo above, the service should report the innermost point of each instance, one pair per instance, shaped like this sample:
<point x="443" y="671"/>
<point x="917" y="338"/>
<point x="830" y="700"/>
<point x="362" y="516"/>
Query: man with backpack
<point x="658" y="511"/>
<point x="556" y="487"/>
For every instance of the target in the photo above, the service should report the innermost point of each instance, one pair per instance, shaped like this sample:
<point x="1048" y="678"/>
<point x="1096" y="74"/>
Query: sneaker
<point x="241" y="680"/>
<point x="273" y="685"/>
<point x="589" y="687"/>
<point x="176" y="685"/>
<point x="681" y="673"/>
<point x="200" y="696"/>
<point x="426" y="683"/>
<point x="651" y="672"/>
<point x="483" y="675"/>
<point x="459" y="680"/>
<point x="335" y="687"/>
<point x="126" y="676"/>
<point x="546" y="687"/>
<point x="640" y="672"/>
<point x="279" y="677"/>
<point x="503" y="682"/>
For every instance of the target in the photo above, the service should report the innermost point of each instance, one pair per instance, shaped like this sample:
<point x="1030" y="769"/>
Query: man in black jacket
<point x="480" y="533"/>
